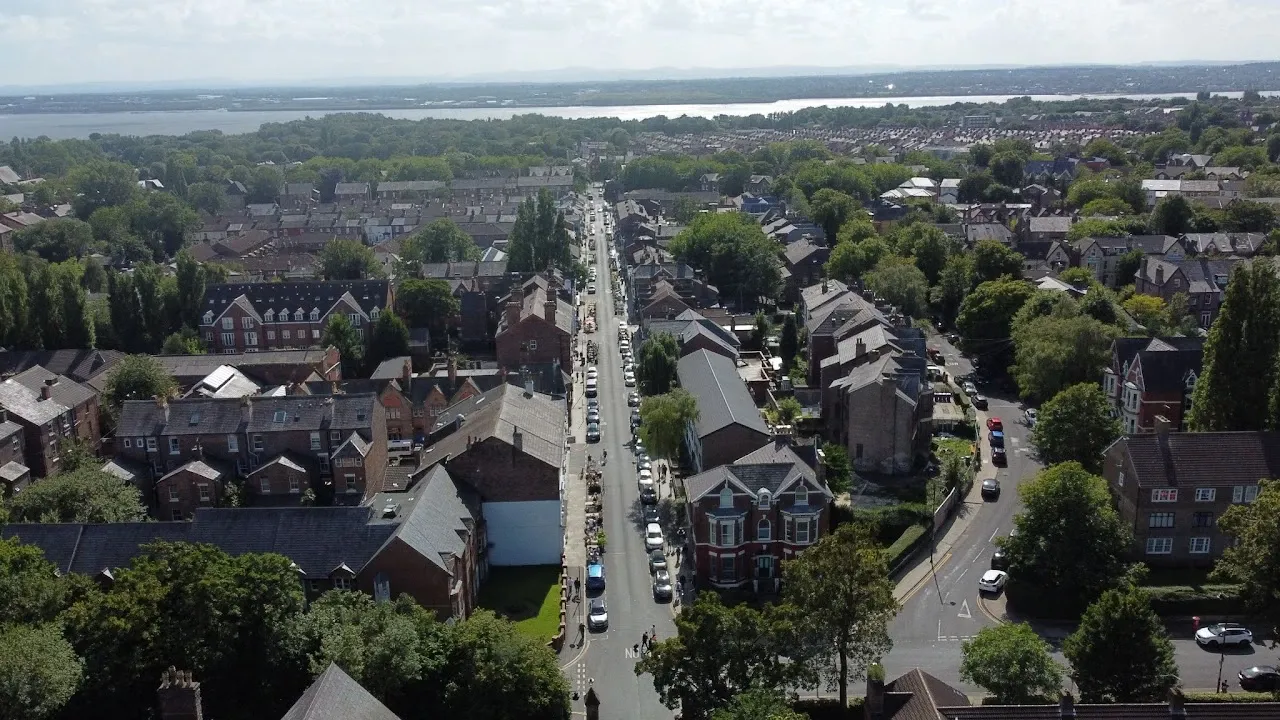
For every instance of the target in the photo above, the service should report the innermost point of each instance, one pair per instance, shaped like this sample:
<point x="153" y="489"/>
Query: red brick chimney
<point x="513" y="311"/>
<point x="549" y="307"/>
<point x="179" y="696"/>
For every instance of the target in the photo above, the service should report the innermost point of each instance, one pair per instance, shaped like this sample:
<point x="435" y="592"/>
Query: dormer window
<point x="373" y="314"/>
<point x="726" y="499"/>
<point x="297" y="316"/>
<point x="1191" y="382"/>
<point x="208" y="318"/>
<point x="802" y="495"/>
<point x="315" y="314"/>
<point x="269" y="315"/>
<point x="764" y="499"/>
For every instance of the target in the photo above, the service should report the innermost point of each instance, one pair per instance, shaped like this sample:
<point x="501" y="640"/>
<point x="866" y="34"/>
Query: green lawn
<point x="528" y="596"/>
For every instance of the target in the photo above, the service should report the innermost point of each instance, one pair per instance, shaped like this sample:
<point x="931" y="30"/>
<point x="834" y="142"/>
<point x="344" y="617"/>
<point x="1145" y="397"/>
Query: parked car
<point x="635" y="418"/>
<point x="1223" y="634"/>
<point x="591" y="289"/>
<point x="644" y="463"/>
<point x="996" y="438"/>
<point x="653" y="537"/>
<point x="593" y="403"/>
<point x="646" y="476"/>
<point x="1260" y="678"/>
<point x="593" y="415"/>
<point x="595" y="578"/>
<point x="998" y="457"/>
<point x="633" y="400"/>
<point x="629" y="379"/>
<point x="657" y="561"/>
<point x="650" y="514"/>
<point x="593" y="373"/>
<point x="994" y="423"/>
<point x="638" y="447"/>
<point x="593" y="432"/>
<point x="969" y="388"/>
<point x="598" y="615"/>
<point x="979" y="401"/>
<point x="1030" y="414"/>
<point x="648" y="495"/>
<point x="662" y="590"/>
<point x="999" y="561"/>
<point x="992" y="581"/>
<point x="592" y="388"/>
<point x="991" y="488"/>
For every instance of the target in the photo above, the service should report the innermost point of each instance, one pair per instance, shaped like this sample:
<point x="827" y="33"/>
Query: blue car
<point x="997" y="439"/>
<point x="595" y="578"/>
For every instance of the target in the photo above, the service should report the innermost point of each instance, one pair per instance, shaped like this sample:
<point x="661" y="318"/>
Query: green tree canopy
<point x="86" y="495"/>
<point x="1013" y="663"/>
<point x="954" y="283"/>
<point x="664" y="419"/>
<point x="137" y="377"/>
<point x="1076" y="424"/>
<point x="1173" y="215"/>
<point x="987" y="314"/>
<point x="1121" y="651"/>
<point x="56" y="240"/>
<point x="851" y="260"/>
<point x="1253" y="559"/>
<point x="758" y="705"/>
<point x="902" y="285"/>
<point x="539" y="240"/>
<point x="1070" y="543"/>
<point x="993" y="260"/>
<point x="832" y="209"/>
<point x="427" y="303"/>
<point x="39" y="671"/>
<point x="390" y="339"/>
<point x="735" y="253"/>
<point x="1053" y="353"/>
<point x="440" y="241"/>
<point x="101" y="183"/>
<point x="657" y="367"/>
<point x="340" y="333"/>
<point x="31" y="591"/>
<point x="789" y="342"/>
<point x="842" y="585"/>
<point x="347" y="259"/>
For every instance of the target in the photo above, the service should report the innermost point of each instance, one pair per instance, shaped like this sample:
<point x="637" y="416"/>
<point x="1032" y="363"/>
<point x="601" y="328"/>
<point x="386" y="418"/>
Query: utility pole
<point x="933" y="534"/>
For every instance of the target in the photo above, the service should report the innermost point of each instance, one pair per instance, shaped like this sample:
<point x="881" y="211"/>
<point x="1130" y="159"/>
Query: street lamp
<point x="933" y="534"/>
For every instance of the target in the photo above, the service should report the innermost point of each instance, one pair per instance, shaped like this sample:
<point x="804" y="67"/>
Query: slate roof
<point x="721" y="394"/>
<point x="79" y="365"/>
<point x="199" y="366"/>
<point x="336" y="696"/>
<point x="465" y="269"/>
<point x="25" y="403"/>
<point x="533" y="304"/>
<point x="873" y="338"/>
<point x="1116" y="711"/>
<point x="438" y="518"/>
<point x="224" y="416"/>
<point x="977" y="232"/>
<point x="1051" y="224"/>
<point x="410" y="186"/>
<point x="1226" y="243"/>
<point x="773" y="467"/>
<point x="390" y="369"/>
<point x="65" y="390"/>
<point x="351" y="188"/>
<point x="818" y="294"/>
<point x="304" y="294"/>
<point x="7" y="428"/>
<point x="1166" y="370"/>
<point x="497" y="414"/>
<point x="12" y="471"/>
<point x="801" y="250"/>
<point x="1204" y="459"/>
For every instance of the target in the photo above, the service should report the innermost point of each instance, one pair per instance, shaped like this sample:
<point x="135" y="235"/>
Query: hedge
<point x="906" y="543"/>
<point x="891" y="521"/>
<point x="829" y="708"/>
<point x="1183" y="600"/>
<point x="1231" y="697"/>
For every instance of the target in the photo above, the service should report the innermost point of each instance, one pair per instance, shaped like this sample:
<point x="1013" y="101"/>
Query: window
<point x="1206" y="319"/>
<point x="1202" y="520"/>
<point x="228" y="323"/>
<point x="1244" y="493"/>
<point x="264" y="486"/>
<point x="151" y="444"/>
<point x="208" y="318"/>
<point x="297" y="317"/>
<point x="802" y="530"/>
<point x="726" y="498"/>
<point x="127" y="444"/>
<point x="1206" y="494"/>
<point x="1163" y="495"/>
<point x="341" y="584"/>
<point x="764" y="499"/>
<point x="350" y="479"/>
<point x="176" y="515"/>
<point x="802" y="495"/>
<point x="1120" y="479"/>
<point x="251" y="338"/>
<point x="315" y="335"/>
<point x="173" y="446"/>
<point x="324" y="462"/>
<point x="315" y="441"/>
<point x="293" y="484"/>
<point x="257" y="443"/>
<point x="1160" y="520"/>
<point x="1159" y="545"/>
<point x="1199" y="545"/>
<point x="246" y="323"/>
<point x="203" y="489"/>
<point x="286" y="334"/>
<point x="208" y="337"/>
<point x="233" y="443"/>
<point x="393" y="413"/>
<point x="728" y="568"/>
<point x="726" y="537"/>
<point x="228" y="338"/>
<point x="271" y="334"/>
<point x="335" y="436"/>
<point x="354" y="318"/>
<point x="373" y="314"/>
<point x="533" y="345"/>
<point x="269" y="315"/>
<point x="315" y="315"/>
<point x="764" y="531"/>
<point x="174" y="495"/>
<point x="314" y="585"/>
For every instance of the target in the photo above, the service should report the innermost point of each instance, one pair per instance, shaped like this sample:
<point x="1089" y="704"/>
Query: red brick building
<point x="14" y="474"/>
<point x="249" y="317"/>
<point x="536" y="326"/>
<point x="747" y="517"/>
<point x="1151" y="377"/>
<point x="52" y="411"/>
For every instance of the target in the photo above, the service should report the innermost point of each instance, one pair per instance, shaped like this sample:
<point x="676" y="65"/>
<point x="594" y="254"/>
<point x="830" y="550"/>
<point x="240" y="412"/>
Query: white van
<point x="402" y="446"/>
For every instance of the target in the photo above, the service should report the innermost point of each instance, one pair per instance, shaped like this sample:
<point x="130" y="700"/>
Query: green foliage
<point x="440" y="241"/>
<point x="1075" y="425"/>
<point x="1011" y="662"/>
<point x="987" y="314"/>
<point x="340" y="333"/>
<point x="137" y="377"/>
<point x="656" y="370"/>
<point x="427" y="303"/>
<point x="841" y="585"/>
<point x="851" y="260"/>
<point x="206" y="197"/>
<point x="1007" y="168"/>
<point x="1173" y="215"/>
<point x="348" y="259"/>
<point x="56" y="240"/>
<point x="1070" y="543"/>
<point x="539" y="239"/>
<point x="39" y="671"/>
<point x="183" y="343"/>
<point x="928" y="246"/>
<point x="832" y="209"/>
<point x="1240" y="356"/>
<point x="390" y="339"/>
<point x="789" y="342"/>
<point x="86" y="495"/>
<point x="758" y="705"/>
<point x="839" y="472"/>
<point x="1106" y="206"/>
<point x="664" y="419"/>
<point x="31" y="591"/>
<point x="1077" y="276"/>
<point x="993" y="260"/>
<point x="736" y="255"/>
<point x="1120" y="652"/>
<point x="760" y="329"/>
<point x="1095" y="227"/>
<point x="1055" y="352"/>
<point x="901" y="285"/>
<point x="1253" y="559"/>
<point x="100" y="183"/>
<point x="954" y="283"/>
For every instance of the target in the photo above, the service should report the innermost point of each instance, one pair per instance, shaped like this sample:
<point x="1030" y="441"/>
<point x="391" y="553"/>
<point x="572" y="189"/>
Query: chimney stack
<point x="1162" y="430"/>
<point x="1159" y="274"/>
<point x="517" y="440"/>
<point x="513" y="311"/>
<point x="46" y="390"/>
<point x="1067" y="707"/>
<point x="549" y="307"/>
<point x="161" y="402"/>
<point x="859" y="348"/>
<point x="246" y="410"/>
<point x="179" y="696"/>
<point x="875" y="693"/>
<point x="4" y="416"/>
<point x="453" y="373"/>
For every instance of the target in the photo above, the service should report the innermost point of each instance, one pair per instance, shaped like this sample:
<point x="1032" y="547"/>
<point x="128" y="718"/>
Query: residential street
<point x="607" y="657"/>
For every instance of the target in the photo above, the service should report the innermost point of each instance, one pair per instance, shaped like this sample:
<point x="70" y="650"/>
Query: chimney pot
<point x="179" y="696"/>
<point x="1162" y="429"/>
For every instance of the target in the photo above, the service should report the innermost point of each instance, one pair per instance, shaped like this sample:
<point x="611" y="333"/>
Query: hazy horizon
<point x="262" y="43"/>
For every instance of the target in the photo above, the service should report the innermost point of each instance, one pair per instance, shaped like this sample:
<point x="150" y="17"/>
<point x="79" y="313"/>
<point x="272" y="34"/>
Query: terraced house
<point x="249" y="317"/>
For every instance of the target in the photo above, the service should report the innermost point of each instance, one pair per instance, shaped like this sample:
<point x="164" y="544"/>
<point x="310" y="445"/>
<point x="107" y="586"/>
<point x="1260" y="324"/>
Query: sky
<point x="50" y="42"/>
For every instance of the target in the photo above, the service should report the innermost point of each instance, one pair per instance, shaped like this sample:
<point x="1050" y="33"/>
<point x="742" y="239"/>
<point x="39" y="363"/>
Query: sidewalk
<point x="575" y="499"/>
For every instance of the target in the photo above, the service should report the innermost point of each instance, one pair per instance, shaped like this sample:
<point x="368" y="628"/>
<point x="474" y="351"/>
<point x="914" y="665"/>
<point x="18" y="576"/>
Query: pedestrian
<point x="653" y="634"/>
<point x="644" y="640"/>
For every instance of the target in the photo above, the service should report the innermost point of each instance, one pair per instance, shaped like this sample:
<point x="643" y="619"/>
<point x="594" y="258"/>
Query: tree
<point x="39" y="671"/>
<point x="1248" y="216"/>
<point x="1121" y="652"/>
<point x="390" y="339"/>
<point x="735" y="253"/>
<point x="191" y="286"/>
<point x="657" y="369"/>
<point x="787" y="410"/>
<point x="206" y="196"/>
<point x="183" y="343"/>
<point x="980" y="154"/>
<point x="1104" y="148"/>
<point x="1078" y="276"/>
<point x="842" y="585"/>
<point x="1110" y="207"/>
<point x="56" y="240"/>
<point x="1011" y="662"/>
<point x="953" y="286"/>
<point x="500" y="673"/>
<point x="856" y="229"/>
<point x="101" y="183"/>
<point x="831" y="209"/>
<point x="31" y="590"/>
<point x="1173" y="215"/>
<point x="1128" y="265"/>
<point x="789" y="342"/>
<point x="347" y="259"/>
<point x="163" y="222"/>
<point x="1253" y="559"/>
<point x="439" y="242"/>
<point x="1240" y="356"/>
<point x="758" y="705"/>
<point x="1076" y="425"/>
<point x="1007" y="169"/>
<point x="929" y="246"/>
<point x="663" y="419"/>
<point x="94" y="279"/>
<point x="993" y="260"/>
<point x="264" y="184"/>
<point x="851" y="260"/>
<point x="1055" y="352"/>
<point x="340" y="333"/>
<point x="427" y="303"/>
<point x="902" y="285"/>
<point x="839" y="470"/>
<point x="1070" y="545"/>
<point x="86" y="495"/>
<point x="987" y="314"/>
<point x="760" y="330"/>
<point x="720" y="652"/>
<point x="539" y="239"/>
<point x="137" y="377"/>
<point x="1148" y="310"/>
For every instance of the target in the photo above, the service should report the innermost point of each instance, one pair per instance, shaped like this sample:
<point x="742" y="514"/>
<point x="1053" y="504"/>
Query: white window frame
<point x="269" y="315"/>
<point x="315" y="334"/>
<point x="1159" y="545"/>
<point x="297" y="316"/>
<point x="1199" y="546"/>
<point x="1162" y="520"/>
<point x="764" y="530"/>
<point x="271" y="334"/>
<point x="205" y="494"/>
<point x="228" y="338"/>
<point x="294" y="486"/>
<point x="257" y="443"/>
<point x="251" y="338"/>
<point x="808" y="525"/>
<point x="802" y="496"/>
<point x="315" y="314"/>
<point x="228" y="323"/>
<point x="151" y="444"/>
<point x="726" y="499"/>
<point x="264" y="485"/>
<point x="335" y="436"/>
<point x="1120" y="478"/>
<point x="233" y="443"/>
<point x="341" y="583"/>
<point x="1244" y="493"/>
<point x="246" y="323"/>
<point x="127" y="443"/>
<point x="349" y="483"/>
<point x="1206" y="494"/>
<point x="174" y="495"/>
<point x="286" y="334"/>
<point x="315" y="440"/>
<point x="1164" y="495"/>
<point x="208" y="318"/>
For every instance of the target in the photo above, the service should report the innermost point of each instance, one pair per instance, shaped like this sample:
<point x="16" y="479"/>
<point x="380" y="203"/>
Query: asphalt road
<point x="606" y="661"/>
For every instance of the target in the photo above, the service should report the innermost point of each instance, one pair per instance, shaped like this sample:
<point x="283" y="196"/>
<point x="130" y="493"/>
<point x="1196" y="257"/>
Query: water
<point x="80" y="125"/>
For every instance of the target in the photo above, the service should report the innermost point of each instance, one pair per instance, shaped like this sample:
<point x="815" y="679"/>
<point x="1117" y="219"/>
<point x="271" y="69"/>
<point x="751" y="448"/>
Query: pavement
<point x="606" y="660"/>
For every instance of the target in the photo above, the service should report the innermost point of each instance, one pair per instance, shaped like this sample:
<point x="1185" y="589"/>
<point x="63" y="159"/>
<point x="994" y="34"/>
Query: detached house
<point x="271" y="316"/>
<point x="1202" y="280"/>
<point x="1152" y="377"/>
<point x="749" y="516"/>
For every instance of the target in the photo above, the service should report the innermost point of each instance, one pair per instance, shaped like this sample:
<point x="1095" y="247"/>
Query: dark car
<point x="979" y="402"/>
<point x="650" y="513"/>
<point x="1260" y="678"/>
<point x="998" y="457"/>
<point x="595" y="578"/>
<point x="991" y="489"/>
<point x="648" y="496"/>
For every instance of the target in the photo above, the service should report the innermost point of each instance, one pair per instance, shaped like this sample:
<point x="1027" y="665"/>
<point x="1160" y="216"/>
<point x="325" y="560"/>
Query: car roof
<point x="994" y="418"/>
<point x="653" y="526"/>
<point x="1260" y="670"/>
<point x="992" y="574"/>
<point x="595" y="570"/>
<point x="597" y="603"/>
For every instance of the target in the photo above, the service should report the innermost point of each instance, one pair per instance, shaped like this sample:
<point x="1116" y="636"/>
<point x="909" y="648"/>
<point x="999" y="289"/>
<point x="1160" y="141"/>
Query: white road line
<point x="939" y="629"/>
<point x="993" y="535"/>
<point x="962" y="574"/>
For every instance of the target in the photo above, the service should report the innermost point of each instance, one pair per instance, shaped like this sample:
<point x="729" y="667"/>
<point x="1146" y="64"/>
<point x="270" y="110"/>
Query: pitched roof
<point x="721" y="394"/>
<point x="818" y="294"/>
<point x="25" y="403"/>
<point x="977" y="232"/>
<point x="79" y="365"/>
<point x="773" y="467"/>
<point x="533" y="297"/>
<point x="1051" y="224"/>
<point x="302" y="294"/>
<point x="64" y="390"/>
<point x="1204" y="459"/>
<point x="917" y="695"/>
<point x="336" y="696"/>
<point x="438" y="519"/>
<point x="222" y="416"/>
<point x="498" y="413"/>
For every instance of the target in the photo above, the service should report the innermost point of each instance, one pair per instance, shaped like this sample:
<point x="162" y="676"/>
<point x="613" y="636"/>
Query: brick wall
<point x="501" y="474"/>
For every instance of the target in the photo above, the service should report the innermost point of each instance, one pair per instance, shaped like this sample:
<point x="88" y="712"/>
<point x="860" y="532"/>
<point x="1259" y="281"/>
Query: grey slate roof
<point x="336" y="696"/>
<point x="7" y="428"/>
<point x="1051" y="224"/>
<point x="79" y="365"/>
<point x="224" y="416"/>
<point x="498" y="413"/>
<point x="438" y="518"/>
<point x="25" y="403"/>
<point x="1204" y="459"/>
<point x="978" y="232"/>
<point x="773" y="467"/>
<point x="721" y="394"/>
<point x="291" y="296"/>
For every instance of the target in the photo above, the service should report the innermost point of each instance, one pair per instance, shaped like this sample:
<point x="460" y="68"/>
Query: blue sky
<point x="75" y="41"/>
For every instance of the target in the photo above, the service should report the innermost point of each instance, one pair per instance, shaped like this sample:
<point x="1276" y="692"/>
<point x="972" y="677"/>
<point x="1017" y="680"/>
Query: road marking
<point x="964" y="611"/>
<point x="924" y="580"/>
<point x="993" y="535"/>
<point x="962" y="574"/>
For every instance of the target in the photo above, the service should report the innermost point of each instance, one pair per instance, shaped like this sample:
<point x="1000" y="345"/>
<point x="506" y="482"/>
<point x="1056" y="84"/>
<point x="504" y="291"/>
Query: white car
<point x="653" y="537"/>
<point x="591" y="289"/>
<point x="598" y="615"/>
<point x="970" y="389"/>
<point x="629" y="379"/>
<point x="592" y="373"/>
<point x="992" y="581"/>
<point x="1223" y="634"/>
<point x="646" y="475"/>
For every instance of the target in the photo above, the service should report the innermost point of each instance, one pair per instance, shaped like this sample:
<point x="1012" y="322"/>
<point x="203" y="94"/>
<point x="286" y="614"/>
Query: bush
<point x="1231" y="697"/>
<point x="829" y="708"/>
<point x="891" y="521"/>
<point x="906" y="544"/>
<point x="1183" y="600"/>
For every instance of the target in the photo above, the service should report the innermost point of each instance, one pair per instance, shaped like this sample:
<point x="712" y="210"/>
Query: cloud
<point x="47" y="41"/>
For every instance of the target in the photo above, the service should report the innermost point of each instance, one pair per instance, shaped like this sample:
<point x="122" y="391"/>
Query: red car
<point x="994" y="423"/>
